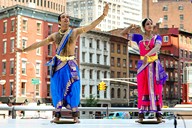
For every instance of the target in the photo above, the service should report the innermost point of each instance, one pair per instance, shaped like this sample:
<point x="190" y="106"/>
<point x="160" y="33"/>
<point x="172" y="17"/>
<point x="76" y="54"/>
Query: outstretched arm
<point x="94" y="23"/>
<point x="37" y="44"/>
<point x="132" y="28"/>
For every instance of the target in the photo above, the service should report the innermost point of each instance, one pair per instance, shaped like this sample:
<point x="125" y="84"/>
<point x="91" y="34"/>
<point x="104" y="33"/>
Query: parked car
<point x="118" y="115"/>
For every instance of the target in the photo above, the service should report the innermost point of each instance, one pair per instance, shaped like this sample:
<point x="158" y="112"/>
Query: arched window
<point x="112" y="93"/>
<point x="118" y="93"/>
<point x="125" y="94"/>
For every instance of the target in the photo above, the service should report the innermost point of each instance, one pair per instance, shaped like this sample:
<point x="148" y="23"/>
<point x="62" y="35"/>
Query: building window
<point x="4" y="68"/>
<point x="38" y="68"/>
<point x="49" y="70"/>
<point x="23" y="88"/>
<point x="12" y="67"/>
<point x="83" y="73"/>
<point x="12" y="25"/>
<point x="98" y="75"/>
<point x="181" y="17"/>
<point x="50" y="29"/>
<point x="12" y="45"/>
<point x="24" y="43"/>
<point x="24" y="64"/>
<point x="118" y="93"/>
<point x="125" y="94"/>
<point x="112" y="47"/>
<point x="91" y="74"/>
<point x="124" y="62"/>
<point x="181" y="53"/>
<point x="112" y="93"/>
<point x="83" y="90"/>
<point x="98" y="58"/>
<point x="3" y="90"/>
<point x="11" y="88"/>
<point x="125" y="49"/>
<point x="118" y="62"/>
<point x="38" y="28"/>
<point x="165" y="38"/>
<point x="38" y="51"/>
<point x="118" y="48"/>
<point x="105" y="45"/>
<point x="112" y="61"/>
<point x="4" y="47"/>
<point x="180" y="7"/>
<point x="105" y="60"/>
<point x="165" y="17"/>
<point x="165" y="8"/>
<point x="105" y="93"/>
<point x="105" y="74"/>
<point x="90" y="42"/>
<point x="83" y="56"/>
<point x="91" y="90"/>
<point x="181" y="26"/>
<point x="83" y="41"/>
<point x="5" y="27"/>
<point x="90" y="57"/>
<point x="48" y="90"/>
<point x="98" y="44"/>
<point x="25" y="25"/>
<point x="50" y="49"/>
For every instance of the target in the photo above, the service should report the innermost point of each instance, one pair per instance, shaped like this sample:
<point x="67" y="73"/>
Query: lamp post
<point x="34" y="86"/>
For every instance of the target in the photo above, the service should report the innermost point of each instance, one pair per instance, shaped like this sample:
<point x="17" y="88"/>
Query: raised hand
<point x="105" y="10"/>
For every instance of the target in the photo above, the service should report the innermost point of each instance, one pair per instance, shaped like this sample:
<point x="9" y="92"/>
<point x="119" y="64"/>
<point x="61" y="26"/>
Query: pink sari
<point x="150" y="77"/>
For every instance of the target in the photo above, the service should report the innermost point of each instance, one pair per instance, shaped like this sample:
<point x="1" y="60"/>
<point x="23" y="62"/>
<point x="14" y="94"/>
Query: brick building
<point x="20" y="27"/>
<point x="172" y="12"/>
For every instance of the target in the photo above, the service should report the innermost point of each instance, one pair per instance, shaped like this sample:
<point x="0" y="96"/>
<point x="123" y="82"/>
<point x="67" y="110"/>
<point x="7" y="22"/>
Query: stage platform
<point x="91" y="123"/>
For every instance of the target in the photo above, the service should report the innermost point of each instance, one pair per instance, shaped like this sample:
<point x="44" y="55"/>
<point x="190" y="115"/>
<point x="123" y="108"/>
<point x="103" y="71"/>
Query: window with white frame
<point x="90" y="57"/>
<point x="12" y="45"/>
<point x="4" y="47"/>
<point x="4" y="68"/>
<point x="3" y="90"/>
<point x="165" y="38"/>
<point x="25" y="25"/>
<point x="90" y="42"/>
<point x="105" y="45"/>
<point x="11" y="66"/>
<point x="38" y="64"/>
<point x="12" y="25"/>
<point x="24" y="43"/>
<point x="83" y="73"/>
<point x="105" y="59"/>
<point x="98" y="75"/>
<point x="50" y="29"/>
<point x="50" y="49"/>
<point x="48" y="90"/>
<point x="23" y="88"/>
<point x="83" y="56"/>
<point x="83" y="41"/>
<point x="98" y="58"/>
<point x="11" y="88"/>
<point x="4" y="26"/>
<point x="24" y="64"/>
<point x="91" y="74"/>
<point x="38" y="28"/>
<point x="98" y="43"/>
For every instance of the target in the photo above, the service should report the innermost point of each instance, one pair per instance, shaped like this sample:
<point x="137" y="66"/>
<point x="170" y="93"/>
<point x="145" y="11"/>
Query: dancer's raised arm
<point x="94" y="23"/>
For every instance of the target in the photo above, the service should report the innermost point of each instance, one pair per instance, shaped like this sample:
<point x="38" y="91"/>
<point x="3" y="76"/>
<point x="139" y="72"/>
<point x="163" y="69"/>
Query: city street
<point x="90" y="123"/>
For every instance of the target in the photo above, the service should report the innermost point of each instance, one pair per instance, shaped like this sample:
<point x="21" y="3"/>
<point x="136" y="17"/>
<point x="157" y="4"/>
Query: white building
<point x="121" y="12"/>
<point x="94" y="66"/>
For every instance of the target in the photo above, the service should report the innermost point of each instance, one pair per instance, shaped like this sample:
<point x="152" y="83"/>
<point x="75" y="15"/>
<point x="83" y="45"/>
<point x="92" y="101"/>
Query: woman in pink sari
<point x="150" y="74"/>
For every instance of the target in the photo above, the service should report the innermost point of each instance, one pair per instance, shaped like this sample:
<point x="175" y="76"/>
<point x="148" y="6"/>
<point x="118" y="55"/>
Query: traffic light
<point x="102" y="86"/>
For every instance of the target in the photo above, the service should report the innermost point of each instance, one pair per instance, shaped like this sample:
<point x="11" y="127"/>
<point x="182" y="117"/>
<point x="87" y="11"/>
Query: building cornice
<point x="36" y="14"/>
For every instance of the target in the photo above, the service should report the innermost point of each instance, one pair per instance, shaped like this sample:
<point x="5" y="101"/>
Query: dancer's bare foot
<point x="55" y="120"/>
<point x="76" y="120"/>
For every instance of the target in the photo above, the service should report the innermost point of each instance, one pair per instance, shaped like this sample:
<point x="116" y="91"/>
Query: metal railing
<point x="102" y="109"/>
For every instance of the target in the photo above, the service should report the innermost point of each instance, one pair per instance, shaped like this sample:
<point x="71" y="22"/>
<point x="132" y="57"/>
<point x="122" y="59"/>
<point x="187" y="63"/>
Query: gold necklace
<point x="62" y="33"/>
<point x="146" y="45"/>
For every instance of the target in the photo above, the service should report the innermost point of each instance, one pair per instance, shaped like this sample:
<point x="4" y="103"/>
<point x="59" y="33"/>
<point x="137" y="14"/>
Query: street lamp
<point x="34" y="86"/>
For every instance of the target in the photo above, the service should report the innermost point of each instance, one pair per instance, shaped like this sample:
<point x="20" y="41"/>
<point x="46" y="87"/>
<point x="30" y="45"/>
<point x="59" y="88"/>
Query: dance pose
<point x="65" y="79"/>
<point x="150" y="74"/>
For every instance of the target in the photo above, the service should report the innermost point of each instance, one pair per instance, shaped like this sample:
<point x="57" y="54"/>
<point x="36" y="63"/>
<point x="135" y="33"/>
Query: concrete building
<point x="20" y="27"/>
<point x="121" y="14"/>
<point x="171" y="12"/>
<point x="56" y="6"/>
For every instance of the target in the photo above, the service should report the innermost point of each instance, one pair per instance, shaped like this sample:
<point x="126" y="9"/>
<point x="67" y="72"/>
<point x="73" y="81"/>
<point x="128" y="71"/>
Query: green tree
<point x="91" y="101"/>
